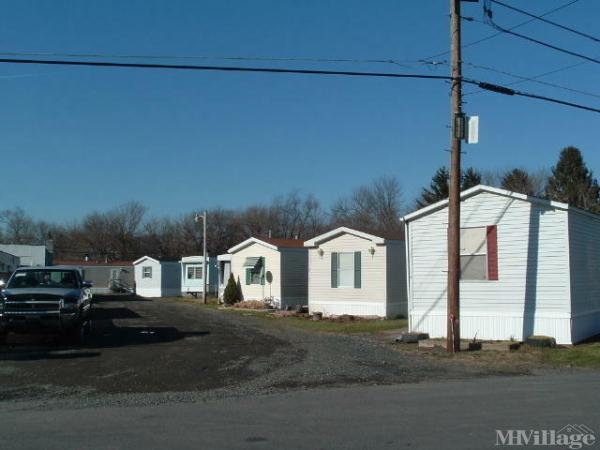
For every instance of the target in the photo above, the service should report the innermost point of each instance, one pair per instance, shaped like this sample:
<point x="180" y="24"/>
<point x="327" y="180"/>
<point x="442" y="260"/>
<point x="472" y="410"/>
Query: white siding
<point x="584" y="239"/>
<point x="396" y="279"/>
<point x="272" y="264"/>
<point x="148" y="287"/>
<point x="197" y="285"/>
<point x="532" y="264"/>
<point x="369" y="300"/>
<point x="294" y="273"/>
<point x="165" y="281"/>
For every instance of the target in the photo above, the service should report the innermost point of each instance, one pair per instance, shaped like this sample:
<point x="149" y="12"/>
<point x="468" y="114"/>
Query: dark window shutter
<point x="248" y="275"/>
<point x="334" y="270"/>
<point x="492" y="252"/>
<point x="357" y="270"/>
<point x="262" y="270"/>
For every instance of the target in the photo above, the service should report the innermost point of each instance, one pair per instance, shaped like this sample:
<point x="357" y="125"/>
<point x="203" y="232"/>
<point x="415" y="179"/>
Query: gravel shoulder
<point x="154" y="351"/>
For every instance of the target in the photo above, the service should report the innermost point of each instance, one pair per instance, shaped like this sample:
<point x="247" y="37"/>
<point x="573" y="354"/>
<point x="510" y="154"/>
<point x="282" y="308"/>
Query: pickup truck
<point x="45" y="299"/>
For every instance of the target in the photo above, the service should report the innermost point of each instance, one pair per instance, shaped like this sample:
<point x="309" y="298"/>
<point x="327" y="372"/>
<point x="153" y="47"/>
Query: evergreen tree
<point x="231" y="294"/>
<point x="469" y="178"/>
<point x="438" y="188"/>
<point x="518" y="180"/>
<point x="573" y="183"/>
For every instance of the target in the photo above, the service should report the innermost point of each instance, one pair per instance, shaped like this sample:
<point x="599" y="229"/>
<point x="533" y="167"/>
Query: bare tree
<point x="19" y="228"/>
<point x="376" y="206"/>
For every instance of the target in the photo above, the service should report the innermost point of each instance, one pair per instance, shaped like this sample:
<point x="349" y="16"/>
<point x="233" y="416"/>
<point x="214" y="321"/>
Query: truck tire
<point x="75" y="334"/>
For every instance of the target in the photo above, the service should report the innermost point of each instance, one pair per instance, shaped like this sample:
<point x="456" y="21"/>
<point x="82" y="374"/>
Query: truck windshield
<point x="43" y="279"/>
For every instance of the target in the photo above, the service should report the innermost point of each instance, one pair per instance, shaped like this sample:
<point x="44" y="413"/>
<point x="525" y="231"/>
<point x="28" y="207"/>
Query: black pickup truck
<point x="45" y="299"/>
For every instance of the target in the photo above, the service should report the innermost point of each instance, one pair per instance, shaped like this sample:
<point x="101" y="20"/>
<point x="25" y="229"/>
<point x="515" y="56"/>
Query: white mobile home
<point x="358" y="273"/>
<point x="157" y="277"/>
<point x="275" y="269"/>
<point x="224" y="271"/>
<point x="528" y="267"/>
<point x="192" y="275"/>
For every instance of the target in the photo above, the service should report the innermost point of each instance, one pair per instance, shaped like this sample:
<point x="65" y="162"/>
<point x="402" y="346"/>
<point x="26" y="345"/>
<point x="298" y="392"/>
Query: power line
<point x="482" y="85"/>
<point x="562" y="27"/>
<point x="490" y="21"/>
<point x="530" y="79"/>
<point x="215" y="58"/>
<point x="491" y="36"/>
<point x="220" y="68"/>
<point x="536" y="77"/>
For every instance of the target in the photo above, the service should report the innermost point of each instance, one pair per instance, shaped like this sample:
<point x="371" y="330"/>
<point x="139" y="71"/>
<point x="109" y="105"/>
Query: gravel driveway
<point x="151" y="351"/>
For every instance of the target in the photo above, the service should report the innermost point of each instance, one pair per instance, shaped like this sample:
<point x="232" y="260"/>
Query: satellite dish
<point x="269" y="276"/>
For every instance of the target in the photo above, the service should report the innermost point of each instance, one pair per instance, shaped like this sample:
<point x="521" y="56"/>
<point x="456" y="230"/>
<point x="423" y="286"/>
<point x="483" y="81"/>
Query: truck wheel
<point x="75" y="334"/>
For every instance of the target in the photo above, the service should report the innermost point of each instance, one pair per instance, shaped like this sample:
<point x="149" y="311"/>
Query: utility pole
<point x="458" y="126"/>
<point x="204" y="268"/>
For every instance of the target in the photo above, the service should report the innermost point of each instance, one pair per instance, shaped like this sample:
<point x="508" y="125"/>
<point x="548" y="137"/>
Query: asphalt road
<point x="431" y="415"/>
<point x="170" y="374"/>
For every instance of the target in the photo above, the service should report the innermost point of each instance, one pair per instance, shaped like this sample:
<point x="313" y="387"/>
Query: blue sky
<point x="81" y="139"/>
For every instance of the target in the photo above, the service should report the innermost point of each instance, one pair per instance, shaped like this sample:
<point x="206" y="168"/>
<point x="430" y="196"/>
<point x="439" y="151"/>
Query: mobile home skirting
<point x="495" y="325"/>
<point x="354" y="308"/>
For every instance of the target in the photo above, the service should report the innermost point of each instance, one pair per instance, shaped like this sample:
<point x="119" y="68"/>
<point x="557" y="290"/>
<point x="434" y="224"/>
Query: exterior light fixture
<point x="372" y="251"/>
<point x="320" y="252"/>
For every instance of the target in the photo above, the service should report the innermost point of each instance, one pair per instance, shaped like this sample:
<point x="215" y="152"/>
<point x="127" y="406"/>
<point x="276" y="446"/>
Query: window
<point x="255" y="274"/>
<point x="67" y="279"/>
<point x="147" y="272"/>
<point x="478" y="253"/>
<point x="346" y="270"/>
<point x="194" y="273"/>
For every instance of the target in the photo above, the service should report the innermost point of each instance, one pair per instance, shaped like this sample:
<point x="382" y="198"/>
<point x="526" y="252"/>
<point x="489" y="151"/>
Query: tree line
<point x="569" y="181"/>
<point x="125" y="232"/>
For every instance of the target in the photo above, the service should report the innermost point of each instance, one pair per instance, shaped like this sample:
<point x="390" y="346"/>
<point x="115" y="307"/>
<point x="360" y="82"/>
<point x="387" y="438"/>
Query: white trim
<point x="408" y="255"/>
<point x="492" y="190"/>
<point x="143" y="258"/>
<point x="568" y="265"/>
<point x="225" y="257"/>
<point x="249" y="242"/>
<point x="194" y="259"/>
<point x="343" y="230"/>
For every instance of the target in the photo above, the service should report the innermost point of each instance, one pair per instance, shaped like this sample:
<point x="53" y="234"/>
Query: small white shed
<point x="157" y="277"/>
<point x="275" y="269"/>
<point x="358" y="273"/>
<point x="529" y="267"/>
<point x="192" y="275"/>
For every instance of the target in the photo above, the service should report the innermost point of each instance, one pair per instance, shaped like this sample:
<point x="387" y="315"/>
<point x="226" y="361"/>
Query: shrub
<point x="231" y="294"/>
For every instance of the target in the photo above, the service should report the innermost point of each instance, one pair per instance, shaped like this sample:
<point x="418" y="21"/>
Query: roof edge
<point x="250" y="241"/>
<point x="492" y="190"/>
<point x="314" y="242"/>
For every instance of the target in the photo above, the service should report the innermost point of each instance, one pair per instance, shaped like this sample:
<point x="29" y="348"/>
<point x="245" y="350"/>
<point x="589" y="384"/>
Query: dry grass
<point x="251" y="304"/>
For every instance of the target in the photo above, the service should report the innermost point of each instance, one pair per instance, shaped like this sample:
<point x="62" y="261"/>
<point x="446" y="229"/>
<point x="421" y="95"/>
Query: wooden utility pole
<point x="197" y="218"/>
<point x="204" y="264"/>
<point x="457" y="125"/>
